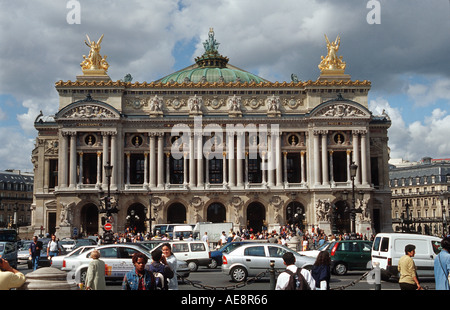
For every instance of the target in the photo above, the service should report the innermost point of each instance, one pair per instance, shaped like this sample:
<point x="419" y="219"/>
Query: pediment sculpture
<point x="340" y="110"/>
<point x="89" y="111"/>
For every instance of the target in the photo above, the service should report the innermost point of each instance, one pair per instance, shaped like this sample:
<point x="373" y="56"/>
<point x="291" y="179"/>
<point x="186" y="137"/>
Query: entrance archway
<point x="216" y="213"/>
<point x="256" y="216"/>
<point x="89" y="219"/>
<point x="176" y="213"/>
<point x="295" y="214"/>
<point x="136" y="218"/>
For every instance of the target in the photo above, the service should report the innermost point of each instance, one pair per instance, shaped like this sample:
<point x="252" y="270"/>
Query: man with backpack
<point x="294" y="278"/>
<point x="160" y="269"/>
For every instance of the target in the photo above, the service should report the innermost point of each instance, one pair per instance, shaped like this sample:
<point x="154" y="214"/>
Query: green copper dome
<point x="211" y="67"/>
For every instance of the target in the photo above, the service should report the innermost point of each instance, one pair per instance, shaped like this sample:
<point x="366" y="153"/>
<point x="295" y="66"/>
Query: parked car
<point x="117" y="257"/>
<point x="150" y="244"/>
<point x="350" y="255"/>
<point x="216" y="256"/>
<point x="389" y="247"/>
<point x="8" y="251"/>
<point x="24" y="252"/>
<point x="71" y="244"/>
<point x="195" y="253"/>
<point x="250" y="260"/>
<point x="315" y="253"/>
<point x="57" y="261"/>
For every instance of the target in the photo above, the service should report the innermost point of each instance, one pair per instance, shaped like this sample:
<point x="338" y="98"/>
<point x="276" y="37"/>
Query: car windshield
<point x="2" y="247"/>
<point x="227" y="248"/>
<point x="323" y="246"/>
<point x="64" y="242"/>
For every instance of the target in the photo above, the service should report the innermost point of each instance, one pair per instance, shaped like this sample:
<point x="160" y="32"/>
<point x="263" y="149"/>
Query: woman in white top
<point x="172" y="262"/>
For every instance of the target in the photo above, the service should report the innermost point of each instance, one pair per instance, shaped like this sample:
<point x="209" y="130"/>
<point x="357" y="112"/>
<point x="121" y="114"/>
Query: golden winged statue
<point x="94" y="63"/>
<point x="332" y="62"/>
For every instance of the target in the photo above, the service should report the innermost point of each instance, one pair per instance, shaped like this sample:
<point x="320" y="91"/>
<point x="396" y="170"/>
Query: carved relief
<point x="341" y="110"/>
<point x="88" y="111"/>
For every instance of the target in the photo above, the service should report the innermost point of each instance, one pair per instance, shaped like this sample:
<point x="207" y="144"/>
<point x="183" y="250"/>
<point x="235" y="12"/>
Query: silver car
<point x="250" y="260"/>
<point x="117" y="258"/>
<point x="57" y="261"/>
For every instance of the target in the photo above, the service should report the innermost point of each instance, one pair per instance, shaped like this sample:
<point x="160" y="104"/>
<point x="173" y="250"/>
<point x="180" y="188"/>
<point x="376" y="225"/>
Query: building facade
<point x="16" y="197"/>
<point x="420" y="196"/>
<point x="212" y="142"/>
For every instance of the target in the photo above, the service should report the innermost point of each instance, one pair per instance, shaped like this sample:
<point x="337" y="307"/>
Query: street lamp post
<point x="353" y="171"/>
<point x="107" y="236"/>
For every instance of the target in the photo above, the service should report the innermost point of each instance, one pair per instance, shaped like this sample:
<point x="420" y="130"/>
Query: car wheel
<point x="83" y="275"/>
<point x="238" y="274"/>
<point x="213" y="264"/>
<point x="340" y="269"/>
<point x="193" y="266"/>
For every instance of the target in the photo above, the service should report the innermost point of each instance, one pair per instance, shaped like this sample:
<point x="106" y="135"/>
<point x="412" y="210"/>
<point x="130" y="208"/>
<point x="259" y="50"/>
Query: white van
<point x="194" y="253"/>
<point x="182" y="231"/>
<point x="387" y="249"/>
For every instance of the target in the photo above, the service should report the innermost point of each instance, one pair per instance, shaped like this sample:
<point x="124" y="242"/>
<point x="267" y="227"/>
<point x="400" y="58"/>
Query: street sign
<point x="107" y="227"/>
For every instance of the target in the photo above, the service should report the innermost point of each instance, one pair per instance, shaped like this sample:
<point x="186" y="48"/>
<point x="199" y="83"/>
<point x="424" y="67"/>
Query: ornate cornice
<point x="122" y="84"/>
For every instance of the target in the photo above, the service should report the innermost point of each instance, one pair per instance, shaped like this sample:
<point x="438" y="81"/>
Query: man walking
<point x="408" y="271"/>
<point x="35" y="252"/>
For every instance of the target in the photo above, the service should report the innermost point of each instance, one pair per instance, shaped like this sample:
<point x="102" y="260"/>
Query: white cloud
<point x="414" y="141"/>
<point x="429" y="92"/>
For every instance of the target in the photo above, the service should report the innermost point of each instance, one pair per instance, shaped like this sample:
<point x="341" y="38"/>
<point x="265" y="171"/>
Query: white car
<point x="57" y="261"/>
<point x="250" y="260"/>
<point x="315" y="253"/>
<point x="117" y="258"/>
<point x="195" y="253"/>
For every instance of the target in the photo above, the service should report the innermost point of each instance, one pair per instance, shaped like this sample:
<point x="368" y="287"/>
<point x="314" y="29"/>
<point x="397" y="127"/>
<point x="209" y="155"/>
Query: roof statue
<point x="332" y="63"/>
<point x="94" y="64"/>
<point x="211" y="45"/>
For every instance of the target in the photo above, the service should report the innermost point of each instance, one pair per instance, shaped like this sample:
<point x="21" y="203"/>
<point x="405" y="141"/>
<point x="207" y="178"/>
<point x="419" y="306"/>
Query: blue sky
<point x="405" y="56"/>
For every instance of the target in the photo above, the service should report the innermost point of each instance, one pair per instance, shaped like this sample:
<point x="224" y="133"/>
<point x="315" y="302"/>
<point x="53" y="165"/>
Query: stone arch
<point x="136" y="216"/>
<point x="176" y="213"/>
<point x="216" y="212"/>
<point x="295" y="213"/>
<point x="256" y="216"/>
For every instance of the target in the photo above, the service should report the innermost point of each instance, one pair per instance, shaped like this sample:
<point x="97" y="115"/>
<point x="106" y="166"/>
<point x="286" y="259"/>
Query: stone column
<point x="316" y="159"/>
<point x="99" y="169"/>
<point x="285" y="168"/>
<point x="73" y="160"/>
<point x="231" y="159"/>
<point x="105" y="156"/>
<point x="63" y="160"/>
<point x="199" y="140"/>
<point x="302" y="155"/>
<point x="145" y="169"/>
<point x="114" y="162"/>
<point x="239" y="159"/>
<point x="152" y="161"/>
<point x="325" y="177"/>
<point x="278" y="171"/>
<point x="192" y="181"/>
<point x="356" y="155"/>
<point x="270" y="155"/>
<point x="349" y="161"/>
<point x="160" y="160"/>
<point x="224" y="167"/>
<point x="80" y="176"/>
<point x="364" y="166"/>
